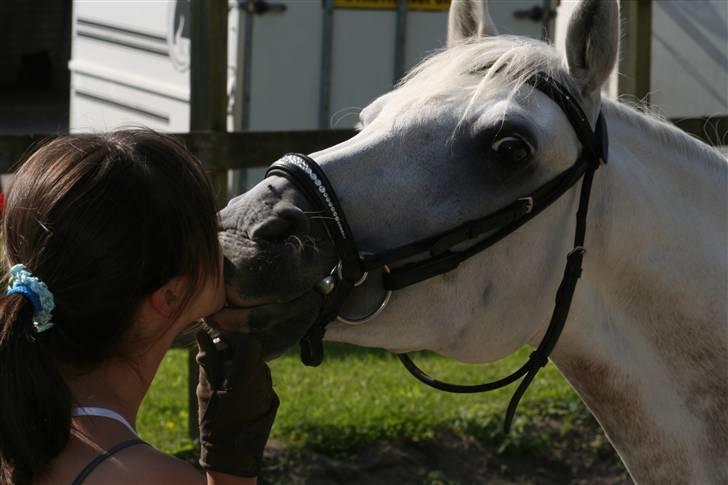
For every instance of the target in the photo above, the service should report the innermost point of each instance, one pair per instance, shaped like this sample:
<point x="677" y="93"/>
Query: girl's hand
<point x="268" y="316"/>
<point x="237" y="404"/>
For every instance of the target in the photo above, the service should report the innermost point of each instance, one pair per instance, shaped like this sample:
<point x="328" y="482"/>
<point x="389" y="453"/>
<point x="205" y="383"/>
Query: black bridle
<point x="353" y="267"/>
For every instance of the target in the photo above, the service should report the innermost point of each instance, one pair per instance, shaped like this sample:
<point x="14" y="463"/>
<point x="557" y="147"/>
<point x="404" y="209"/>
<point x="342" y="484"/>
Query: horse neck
<point x="645" y="345"/>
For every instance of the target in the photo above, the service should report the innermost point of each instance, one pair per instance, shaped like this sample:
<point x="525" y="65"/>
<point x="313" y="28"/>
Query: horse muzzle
<point x="275" y="254"/>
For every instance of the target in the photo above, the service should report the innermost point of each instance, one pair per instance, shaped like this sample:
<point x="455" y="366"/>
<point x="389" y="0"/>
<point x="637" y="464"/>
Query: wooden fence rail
<point x="218" y="151"/>
<point x="221" y="151"/>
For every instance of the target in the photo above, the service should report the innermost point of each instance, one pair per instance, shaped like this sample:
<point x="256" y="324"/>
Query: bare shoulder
<point x="160" y="468"/>
<point x="144" y="464"/>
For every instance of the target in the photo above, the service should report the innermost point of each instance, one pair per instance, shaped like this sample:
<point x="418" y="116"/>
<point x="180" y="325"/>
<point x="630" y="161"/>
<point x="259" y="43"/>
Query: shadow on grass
<point x="540" y="452"/>
<point x="335" y="351"/>
<point x="339" y="351"/>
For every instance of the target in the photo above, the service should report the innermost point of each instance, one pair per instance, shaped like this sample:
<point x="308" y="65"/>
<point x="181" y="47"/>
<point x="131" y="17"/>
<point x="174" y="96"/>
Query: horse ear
<point x="469" y="18"/>
<point x="592" y="43"/>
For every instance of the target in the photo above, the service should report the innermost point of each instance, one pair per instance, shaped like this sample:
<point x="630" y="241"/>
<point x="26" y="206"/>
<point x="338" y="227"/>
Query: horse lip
<point x="235" y="244"/>
<point x="234" y="300"/>
<point x="239" y="239"/>
<point x="241" y="304"/>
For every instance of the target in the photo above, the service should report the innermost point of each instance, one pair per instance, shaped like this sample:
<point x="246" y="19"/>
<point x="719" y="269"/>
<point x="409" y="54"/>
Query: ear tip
<point x="592" y="42"/>
<point x="469" y="19"/>
<point x="610" y="8"/>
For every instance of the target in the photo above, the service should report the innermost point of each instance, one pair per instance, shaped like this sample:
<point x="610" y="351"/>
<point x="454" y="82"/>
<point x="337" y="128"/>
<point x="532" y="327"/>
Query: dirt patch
<point x="452" y="459"/>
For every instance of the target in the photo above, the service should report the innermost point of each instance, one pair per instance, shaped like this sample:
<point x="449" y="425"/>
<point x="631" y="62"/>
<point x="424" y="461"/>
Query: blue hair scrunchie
<point x="24" y="283"/>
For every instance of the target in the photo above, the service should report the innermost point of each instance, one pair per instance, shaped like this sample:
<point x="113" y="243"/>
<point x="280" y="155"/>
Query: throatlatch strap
<point x="539" y="357"/>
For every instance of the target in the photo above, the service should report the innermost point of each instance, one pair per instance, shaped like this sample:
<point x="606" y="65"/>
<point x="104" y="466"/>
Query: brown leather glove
<point x="237" y="404"/>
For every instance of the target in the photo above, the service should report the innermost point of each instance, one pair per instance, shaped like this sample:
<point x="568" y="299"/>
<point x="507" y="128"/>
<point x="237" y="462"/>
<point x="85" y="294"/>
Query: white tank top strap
<point x="103" y="413"/>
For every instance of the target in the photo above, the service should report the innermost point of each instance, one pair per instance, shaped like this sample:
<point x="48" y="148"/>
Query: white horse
<point x="646" y="341"/>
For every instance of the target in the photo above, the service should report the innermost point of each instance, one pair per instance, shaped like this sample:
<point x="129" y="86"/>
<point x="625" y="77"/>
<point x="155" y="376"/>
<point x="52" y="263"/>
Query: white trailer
<point x="295" y="64"/>
<point x="307" y="64"/>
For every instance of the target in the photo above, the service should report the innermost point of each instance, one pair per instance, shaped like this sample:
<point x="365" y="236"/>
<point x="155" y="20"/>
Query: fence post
<point x="636" y="48"/>
<point x="208" y="113"/>
<point x="208" y="82"/>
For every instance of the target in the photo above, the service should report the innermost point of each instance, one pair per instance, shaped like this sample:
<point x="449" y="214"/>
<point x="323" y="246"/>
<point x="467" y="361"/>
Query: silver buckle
<point x="529" y="203"/>
<point x="577" y="249"/>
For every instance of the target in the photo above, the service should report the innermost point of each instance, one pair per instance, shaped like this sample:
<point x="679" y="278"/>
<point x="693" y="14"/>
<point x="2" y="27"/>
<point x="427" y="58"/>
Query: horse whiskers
<point x="310" y="242"/>
<point x="300" y="243"/>
<point x="323" y="217"/>
<point x="296" y="242"/>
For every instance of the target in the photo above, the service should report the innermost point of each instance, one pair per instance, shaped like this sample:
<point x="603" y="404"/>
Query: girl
<point x="112" y="245"/>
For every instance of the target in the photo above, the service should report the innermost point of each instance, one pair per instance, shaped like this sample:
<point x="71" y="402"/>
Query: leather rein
<point x="353" y="267"/>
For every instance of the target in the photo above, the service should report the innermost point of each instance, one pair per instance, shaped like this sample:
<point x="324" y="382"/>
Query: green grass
<point x="359" y="396"/>
<point x="163" y="416"/>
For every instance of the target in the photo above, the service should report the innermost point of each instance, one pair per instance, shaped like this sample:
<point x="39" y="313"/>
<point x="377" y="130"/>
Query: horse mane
<point x="653" y="124"/>
<point x="499" y="61"/>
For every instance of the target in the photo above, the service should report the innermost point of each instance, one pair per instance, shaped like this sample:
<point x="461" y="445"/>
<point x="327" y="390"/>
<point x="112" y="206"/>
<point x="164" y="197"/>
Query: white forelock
<point x="478" y="66"/>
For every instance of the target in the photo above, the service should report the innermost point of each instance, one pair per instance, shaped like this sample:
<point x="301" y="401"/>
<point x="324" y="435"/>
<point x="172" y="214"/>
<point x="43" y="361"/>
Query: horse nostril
<point x="284" y="222"/>
<point x="272" y="229"/>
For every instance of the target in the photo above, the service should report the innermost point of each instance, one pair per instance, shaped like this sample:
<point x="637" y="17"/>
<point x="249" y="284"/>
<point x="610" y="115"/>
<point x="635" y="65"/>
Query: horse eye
<point x="512" y="149"/>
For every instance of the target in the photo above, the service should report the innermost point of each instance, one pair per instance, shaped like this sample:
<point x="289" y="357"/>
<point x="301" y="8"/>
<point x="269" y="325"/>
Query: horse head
<point x="462" y="136"/>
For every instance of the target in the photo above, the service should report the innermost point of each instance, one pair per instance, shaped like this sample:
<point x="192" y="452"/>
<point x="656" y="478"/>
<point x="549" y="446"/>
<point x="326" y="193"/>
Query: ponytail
<point x="35" y="402"/>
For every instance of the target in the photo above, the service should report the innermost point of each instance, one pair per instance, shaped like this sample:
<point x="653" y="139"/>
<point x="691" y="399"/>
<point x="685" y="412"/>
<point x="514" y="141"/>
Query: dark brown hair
<point x="104" y="221"/>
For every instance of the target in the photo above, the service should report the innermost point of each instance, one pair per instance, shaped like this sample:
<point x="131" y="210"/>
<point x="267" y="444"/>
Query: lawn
<point x="361" y="397"/>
